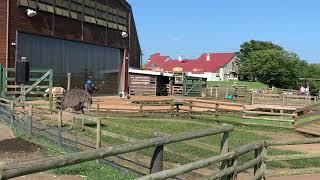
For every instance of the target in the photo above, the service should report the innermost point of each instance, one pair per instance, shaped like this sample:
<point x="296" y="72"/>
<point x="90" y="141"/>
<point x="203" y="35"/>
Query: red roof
<point x="207" y="62"/>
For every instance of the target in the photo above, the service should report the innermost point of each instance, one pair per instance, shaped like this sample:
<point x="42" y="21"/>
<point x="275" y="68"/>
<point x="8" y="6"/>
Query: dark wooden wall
<point x="3" y="31"/>
<point x="65" y="28"/>
<point x="141" y="84"/>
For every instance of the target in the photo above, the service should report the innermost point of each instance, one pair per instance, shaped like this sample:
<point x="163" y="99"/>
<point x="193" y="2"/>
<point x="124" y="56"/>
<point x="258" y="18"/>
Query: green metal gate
<point x="192" y="86"/>
<point x="40" y="80"/>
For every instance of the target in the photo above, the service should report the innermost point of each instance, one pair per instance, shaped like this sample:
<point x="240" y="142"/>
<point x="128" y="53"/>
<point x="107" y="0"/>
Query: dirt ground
<point x="14" y="150"/>
<point x="305" y="148"/>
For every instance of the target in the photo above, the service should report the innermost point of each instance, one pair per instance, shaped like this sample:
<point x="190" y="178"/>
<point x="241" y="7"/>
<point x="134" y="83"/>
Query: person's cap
<point x="90" y="77"/>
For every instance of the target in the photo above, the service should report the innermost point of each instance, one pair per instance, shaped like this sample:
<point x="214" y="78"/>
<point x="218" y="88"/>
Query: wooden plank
<point x="268" y="113"/>
<point x="308" y="131"/>
<point x="291" y="157"/>
<point x="75" y="158"/>
<point x="269" y="119"/>
<point x="18" y="87"/>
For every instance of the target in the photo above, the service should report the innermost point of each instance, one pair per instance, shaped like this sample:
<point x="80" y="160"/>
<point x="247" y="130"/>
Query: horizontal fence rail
<point x="75" y="158"/>
<point x="206" y="162"/>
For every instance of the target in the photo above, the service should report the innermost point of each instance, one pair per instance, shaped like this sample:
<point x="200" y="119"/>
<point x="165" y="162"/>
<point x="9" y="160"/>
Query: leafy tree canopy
<point x="270" y="64"/>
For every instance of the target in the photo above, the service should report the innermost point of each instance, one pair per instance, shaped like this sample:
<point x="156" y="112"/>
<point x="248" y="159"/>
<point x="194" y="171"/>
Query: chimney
<point x="180" y="58"/>
<point x="208" y="57"/>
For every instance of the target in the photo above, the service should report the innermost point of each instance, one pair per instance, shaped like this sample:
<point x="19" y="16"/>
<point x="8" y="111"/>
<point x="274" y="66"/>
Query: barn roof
<point x="207" y="62"/>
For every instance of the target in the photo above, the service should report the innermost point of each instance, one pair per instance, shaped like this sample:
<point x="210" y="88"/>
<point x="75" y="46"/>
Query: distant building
<point x="213" y="66"/>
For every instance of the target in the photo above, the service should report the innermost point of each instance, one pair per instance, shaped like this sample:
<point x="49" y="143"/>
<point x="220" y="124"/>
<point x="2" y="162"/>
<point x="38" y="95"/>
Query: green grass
<point x="90" y="170"/>
<point x="228" y="84"/>
<point x="308" y="119"/>
<point x="142" y="128"/>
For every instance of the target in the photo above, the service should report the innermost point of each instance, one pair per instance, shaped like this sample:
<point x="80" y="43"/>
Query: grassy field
<point x="228" y="84"/>
<point x="139" y="128"/>
<point x="90" y="170"/>
<point x="135" y="128"/>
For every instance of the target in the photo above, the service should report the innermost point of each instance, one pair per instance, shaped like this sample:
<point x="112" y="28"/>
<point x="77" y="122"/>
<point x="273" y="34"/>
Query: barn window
<point x="65" y="13"/>
<point x="66" y="4"/>
<point x="79" y="8"/>
<point x="101" y="22"/>
<point x="23" y="3"/>
<point x="115" y="11"/>
<point x="73" y="15"/>
<point x="59" y="11"/>
<point x="50" y="8"/>
<point x="32" y="4"/>
<point x="103" y="8"/>
<point x="73" y="6"/>
<point x="109" y="9"/>
<point x="87" y="18"/>
<point x="93" y="4"/>
<point x="42" y="7"/>
<point x="112" y="25"/>
<point x="114" y="18"/>
<point x="59" y="3"/>
<point x="87" y="2"/>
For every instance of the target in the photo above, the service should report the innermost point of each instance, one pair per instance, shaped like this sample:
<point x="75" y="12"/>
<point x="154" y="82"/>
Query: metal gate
<point x="40" y="80"/>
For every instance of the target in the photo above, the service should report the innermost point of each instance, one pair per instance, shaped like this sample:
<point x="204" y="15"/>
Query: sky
<point x="192" y="27"/>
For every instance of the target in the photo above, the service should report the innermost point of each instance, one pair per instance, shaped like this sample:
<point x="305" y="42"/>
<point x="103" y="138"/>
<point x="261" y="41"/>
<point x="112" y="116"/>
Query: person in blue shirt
<point x="89" y="86"/>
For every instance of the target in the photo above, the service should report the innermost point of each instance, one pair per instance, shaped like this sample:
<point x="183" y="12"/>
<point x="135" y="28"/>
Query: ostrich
<point x="77" y="99"/>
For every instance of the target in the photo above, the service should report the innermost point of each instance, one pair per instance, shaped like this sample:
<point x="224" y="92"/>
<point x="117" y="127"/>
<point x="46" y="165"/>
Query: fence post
<point x="60" y="127"/>
<point x="172" y="108"/>
<point x="82" y="124"/>
<point x="216" y="92"/>
<point x="141" y="107"/>
<point x="30" y="121"/>
<point x="260" y="169"/>
<point x="98" y="143"/>
<point x="50" y="91"/>
<point x="12" y="113"/>
<point x="190" y="106"/>
<point x="224" y="148"/>
<point x="2" y="164"/>
<point x="283" y="100"/>
<point x="243" y="112"/>
<point x="69" y="81"/>
<point x="98" y="108"/>
<point x="217" y="110"/>
<point x="252" y="98"/>
<point x="156" y="164"/>
<point x="1" y="80"/>
<point x="4" y="82"/>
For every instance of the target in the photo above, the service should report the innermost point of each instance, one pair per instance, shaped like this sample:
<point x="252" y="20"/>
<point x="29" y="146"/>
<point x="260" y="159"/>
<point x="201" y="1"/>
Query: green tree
<point x="270" y="64"/>
<point x="248" y="65"/>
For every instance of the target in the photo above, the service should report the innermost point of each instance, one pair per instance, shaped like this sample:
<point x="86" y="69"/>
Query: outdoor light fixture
<point x="31" y="13"/>
<point x="124" y="34"/>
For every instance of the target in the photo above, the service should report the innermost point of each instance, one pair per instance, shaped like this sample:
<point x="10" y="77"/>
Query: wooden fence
<point x="282" y="99"/>
<point x="17" y="170"/>
<point x="228" y="160"/>
<point x="287" y="114"/>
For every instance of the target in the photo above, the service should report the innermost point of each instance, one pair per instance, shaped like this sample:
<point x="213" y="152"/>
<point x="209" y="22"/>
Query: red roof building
<point x="213" y="66"/>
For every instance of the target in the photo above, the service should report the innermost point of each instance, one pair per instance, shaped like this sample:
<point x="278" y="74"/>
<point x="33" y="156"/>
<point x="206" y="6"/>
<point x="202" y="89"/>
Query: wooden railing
<point x="282" y="99"/>
<point x="75" y="158"/>
<point x="229" y="165"/>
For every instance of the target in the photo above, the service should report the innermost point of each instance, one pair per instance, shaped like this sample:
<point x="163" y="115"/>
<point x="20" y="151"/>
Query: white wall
<point x="210" y="76"/>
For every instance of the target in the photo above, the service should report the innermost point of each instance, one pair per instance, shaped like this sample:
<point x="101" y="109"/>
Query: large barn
<point x="84" y="37"/>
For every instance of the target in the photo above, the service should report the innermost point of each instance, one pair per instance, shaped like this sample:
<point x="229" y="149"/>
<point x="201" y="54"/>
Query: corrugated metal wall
<point x="80" y="59"/>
